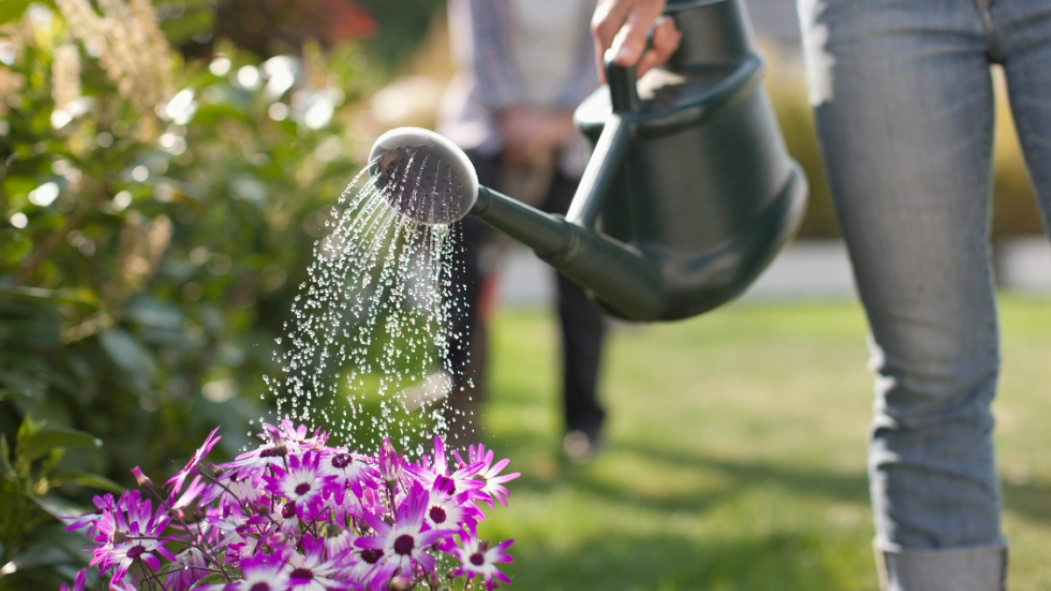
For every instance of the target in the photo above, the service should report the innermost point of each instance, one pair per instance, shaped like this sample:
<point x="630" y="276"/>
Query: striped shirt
<point x="507" y="57"/>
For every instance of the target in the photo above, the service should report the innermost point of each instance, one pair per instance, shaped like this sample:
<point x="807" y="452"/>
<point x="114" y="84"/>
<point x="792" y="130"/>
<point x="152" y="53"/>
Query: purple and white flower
<point x="405" y="543"/>
<point x="477" y="559"/>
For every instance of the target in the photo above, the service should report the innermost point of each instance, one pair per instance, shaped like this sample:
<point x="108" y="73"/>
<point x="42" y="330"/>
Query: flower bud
<point x="280" y="448"/>
<point x="119" y="537"/>
<point x="141" y="479"/>
<point x="401" y="583"/>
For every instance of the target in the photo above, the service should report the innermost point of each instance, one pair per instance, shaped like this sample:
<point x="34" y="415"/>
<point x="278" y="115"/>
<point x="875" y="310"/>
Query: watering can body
<point x="690" y="192"/>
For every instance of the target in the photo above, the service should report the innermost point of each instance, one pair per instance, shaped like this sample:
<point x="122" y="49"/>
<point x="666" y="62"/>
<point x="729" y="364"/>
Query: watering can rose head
<point x="423" y="175"/>
<point x="296" y="512"/>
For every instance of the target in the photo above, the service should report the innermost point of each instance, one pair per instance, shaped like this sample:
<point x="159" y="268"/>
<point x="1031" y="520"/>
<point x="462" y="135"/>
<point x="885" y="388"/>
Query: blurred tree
<point x="273" y="27"/>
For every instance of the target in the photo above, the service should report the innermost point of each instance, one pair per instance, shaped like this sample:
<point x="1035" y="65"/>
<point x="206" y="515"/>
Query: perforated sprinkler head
<point x="423" y="175"/>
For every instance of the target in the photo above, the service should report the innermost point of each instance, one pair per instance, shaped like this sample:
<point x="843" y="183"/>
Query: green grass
<point x="736" y="452"/>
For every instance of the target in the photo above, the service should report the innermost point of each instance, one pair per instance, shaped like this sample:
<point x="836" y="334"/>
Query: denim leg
<point x="1023" y="29"/>
<point x="903" y="104"/>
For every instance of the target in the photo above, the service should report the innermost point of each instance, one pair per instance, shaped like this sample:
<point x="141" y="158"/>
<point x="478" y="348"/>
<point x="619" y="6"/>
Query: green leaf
<point x="57" y="506"/>
<point x="48" y="296"/>
<point x="11" y="393"/>
<point x="40" y="555"/>
<point x="40" y="443"/>
<point x="5" y="454"/>
<point x="12" y="9"/>
<point x="179" y="30"/>
<point x="28" y="428"/>
<point x="92" y="480"/>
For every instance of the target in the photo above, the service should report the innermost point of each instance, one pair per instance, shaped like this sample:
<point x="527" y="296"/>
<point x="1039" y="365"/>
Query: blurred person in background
<point x="903" y="100"/>
<point x="524" y="66"/>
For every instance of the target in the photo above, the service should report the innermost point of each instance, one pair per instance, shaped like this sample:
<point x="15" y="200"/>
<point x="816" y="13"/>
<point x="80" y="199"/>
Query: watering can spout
<point x="689" y="193"/>
<point x="429" y="179"/>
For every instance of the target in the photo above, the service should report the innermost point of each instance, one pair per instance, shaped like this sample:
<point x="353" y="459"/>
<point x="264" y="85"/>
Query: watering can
<point x="689" y="193"/>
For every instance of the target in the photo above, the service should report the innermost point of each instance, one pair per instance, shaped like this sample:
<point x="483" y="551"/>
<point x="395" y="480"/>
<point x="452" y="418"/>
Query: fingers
<point x="630" y="41"/>
<point x="666" y="40"/>
<point x="620" y="27"/>
<point x="608" y="19"/>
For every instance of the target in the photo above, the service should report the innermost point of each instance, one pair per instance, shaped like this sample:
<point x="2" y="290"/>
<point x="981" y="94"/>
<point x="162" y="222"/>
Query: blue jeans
<point x="903" y="101"/>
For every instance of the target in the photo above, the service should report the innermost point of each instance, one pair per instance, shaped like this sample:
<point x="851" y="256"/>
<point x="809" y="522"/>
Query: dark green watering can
<point x="689" y="193"/>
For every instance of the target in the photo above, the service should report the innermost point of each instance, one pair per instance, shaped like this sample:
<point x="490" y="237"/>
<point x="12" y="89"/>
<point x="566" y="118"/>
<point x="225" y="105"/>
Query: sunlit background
<point x="149" y="257"/>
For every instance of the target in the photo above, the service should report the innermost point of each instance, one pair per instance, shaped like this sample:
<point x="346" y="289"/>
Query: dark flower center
<point x="269" y="452"/>
<point x="404" y="544"/>
<point x="437" y="514"/>
<point x="302" y="489"/>
<point x="477" y="559"/>
<point x="289" y="510"/>
<point x="371" y="555"/>
<point x="301" y="573"/>
<point x="447" y="484"/>
<point x="341" y="460"/>
<point x="136" y="552"/>
<point x="260" y="586"/>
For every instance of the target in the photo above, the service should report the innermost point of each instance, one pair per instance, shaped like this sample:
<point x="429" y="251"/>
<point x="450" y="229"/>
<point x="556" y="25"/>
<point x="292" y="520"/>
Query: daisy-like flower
<point x="175" y="483"/>
<point x="311" y="571"/>
<point x="477" y="559"/>
<point x="437" y="475"/>
<point x="489" y="474"/>
<point x="296" y="437"/>
<point x="250" y="465"/>
<point x="338" y="539"/>
<point x="103" y="505"/>
<point x="301" y="485"/>
<point x="187" y="498"/>
<point x="350" y="472"/>
<point x="129" y="534"/>
<point x="445" y="511"/>
<point x="190" y="566"/>
<point x="78" y="582"/>
<point x="404" y="544"/>
<point x="262" y="572"/>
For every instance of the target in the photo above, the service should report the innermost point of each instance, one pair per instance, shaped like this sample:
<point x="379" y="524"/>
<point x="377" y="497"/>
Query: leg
<point x="583" y="332"/>
<point x="903" y="104"/>
<point x="1025" y="28"/>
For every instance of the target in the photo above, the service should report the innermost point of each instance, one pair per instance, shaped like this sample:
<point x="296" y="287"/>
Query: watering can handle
<point x="610" y="149"/>
<point x="623" y="93"/>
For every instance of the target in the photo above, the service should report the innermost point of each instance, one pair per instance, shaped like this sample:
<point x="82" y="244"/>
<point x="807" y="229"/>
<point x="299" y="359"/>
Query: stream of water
<point x="366" y="350"/>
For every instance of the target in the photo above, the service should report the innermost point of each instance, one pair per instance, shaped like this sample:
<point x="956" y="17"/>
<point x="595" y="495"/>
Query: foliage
<point x="35" y="548"/>
<point x="149" y="256"/>
<point x="403" y="25"/>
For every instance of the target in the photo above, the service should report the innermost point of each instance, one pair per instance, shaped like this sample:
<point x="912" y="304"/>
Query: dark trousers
<point x="583" y="327"/>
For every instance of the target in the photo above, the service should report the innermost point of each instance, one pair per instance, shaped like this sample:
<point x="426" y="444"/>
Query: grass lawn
<point x="736" y="452"/>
